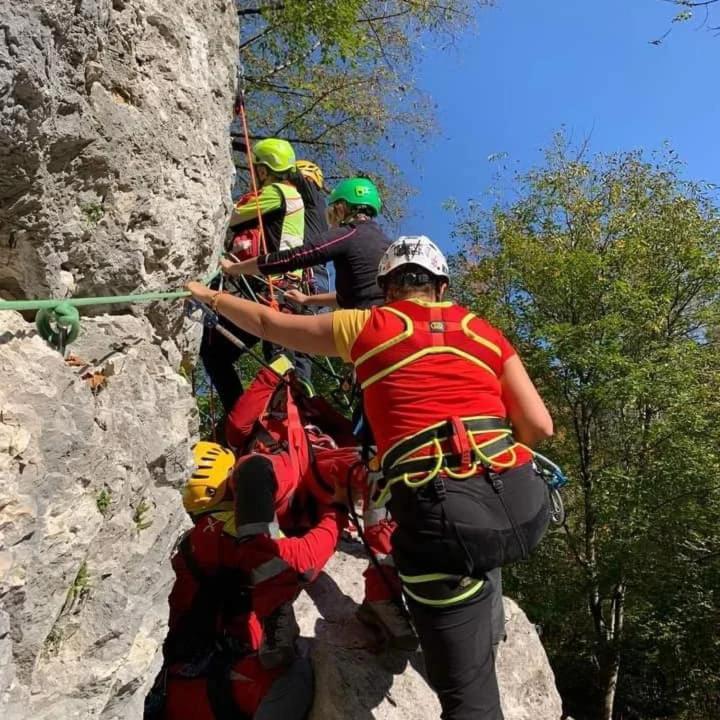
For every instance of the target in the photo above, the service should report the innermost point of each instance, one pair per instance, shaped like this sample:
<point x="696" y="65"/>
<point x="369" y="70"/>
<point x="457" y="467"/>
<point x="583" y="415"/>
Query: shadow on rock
<point x="355" y="676"/>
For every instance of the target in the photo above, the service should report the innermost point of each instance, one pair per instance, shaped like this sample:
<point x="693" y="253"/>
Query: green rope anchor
<point x="58" y="321"/>
<point x="58" y="326"/>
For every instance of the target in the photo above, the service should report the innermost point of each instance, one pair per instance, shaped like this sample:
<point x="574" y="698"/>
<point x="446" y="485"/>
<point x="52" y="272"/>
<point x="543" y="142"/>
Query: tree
<point x="688" y="10"/>
<point x="606" y="275"/>
<point x="336" y="77"/>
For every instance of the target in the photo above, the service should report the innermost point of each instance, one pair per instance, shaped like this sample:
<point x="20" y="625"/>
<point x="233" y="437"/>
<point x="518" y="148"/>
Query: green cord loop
<point x="58" y="321"/>
<point x="58" y="326"/>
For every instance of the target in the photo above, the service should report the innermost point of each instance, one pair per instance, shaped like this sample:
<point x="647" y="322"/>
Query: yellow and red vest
<point x="420" y="364"/>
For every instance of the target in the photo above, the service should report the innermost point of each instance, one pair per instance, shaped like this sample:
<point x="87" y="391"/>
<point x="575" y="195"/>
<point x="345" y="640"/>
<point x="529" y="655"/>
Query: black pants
<point x="219" y="356"/>
<point x="457" y="644"/>
<point x="467" y="527"/>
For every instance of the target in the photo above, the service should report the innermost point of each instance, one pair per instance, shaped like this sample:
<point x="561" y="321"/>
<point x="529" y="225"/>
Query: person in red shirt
<point x="213" y="666"/>
<point x="454" y="415"/>
<point x="290" y="467"/>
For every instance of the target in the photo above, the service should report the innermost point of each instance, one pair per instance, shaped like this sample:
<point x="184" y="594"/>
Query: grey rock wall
<point x="89" y="514"/>
<point x="114" y="146"/>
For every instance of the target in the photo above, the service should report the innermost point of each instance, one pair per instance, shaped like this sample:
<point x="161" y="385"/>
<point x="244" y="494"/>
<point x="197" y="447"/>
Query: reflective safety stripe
<point x="437" y="591"/>
<point x="430" y="577"/>
<point x="293" y="227"/>
<point x="258" y="528"/>
<point x="268" y="570"/>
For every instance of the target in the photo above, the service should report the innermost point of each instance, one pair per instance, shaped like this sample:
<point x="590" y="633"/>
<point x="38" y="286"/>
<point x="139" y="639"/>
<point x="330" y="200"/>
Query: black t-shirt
<point x="315" y="216"/>
<point x="355" y="251"/>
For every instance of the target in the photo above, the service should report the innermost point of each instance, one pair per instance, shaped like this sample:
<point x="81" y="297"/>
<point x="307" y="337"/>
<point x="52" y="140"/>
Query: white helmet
<point x="414" y="250"/>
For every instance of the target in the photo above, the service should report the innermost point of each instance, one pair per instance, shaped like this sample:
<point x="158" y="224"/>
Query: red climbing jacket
<point x="211" y="608"/>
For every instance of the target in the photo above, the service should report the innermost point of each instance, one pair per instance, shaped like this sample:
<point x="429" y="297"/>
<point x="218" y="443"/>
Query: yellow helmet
<point x="312" y="172"/>
<point x="206" y="487"/>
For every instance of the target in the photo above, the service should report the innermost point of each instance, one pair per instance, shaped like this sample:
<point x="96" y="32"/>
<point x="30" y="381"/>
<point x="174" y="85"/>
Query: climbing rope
<point x="58" y="321"/>
<point x="240" y="112"/>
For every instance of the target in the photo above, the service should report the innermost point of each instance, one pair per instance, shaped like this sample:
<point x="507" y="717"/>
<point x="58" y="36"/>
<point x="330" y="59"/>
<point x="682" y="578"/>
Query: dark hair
<point x="411" y="277"/>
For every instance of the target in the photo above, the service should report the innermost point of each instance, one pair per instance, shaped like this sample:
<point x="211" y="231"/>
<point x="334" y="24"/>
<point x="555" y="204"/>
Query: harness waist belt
<point x="393" y="464"/>
<point x="450" y="460"/>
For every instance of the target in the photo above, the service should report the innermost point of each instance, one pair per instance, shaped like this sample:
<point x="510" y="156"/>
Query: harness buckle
<point x="460" y="442"/>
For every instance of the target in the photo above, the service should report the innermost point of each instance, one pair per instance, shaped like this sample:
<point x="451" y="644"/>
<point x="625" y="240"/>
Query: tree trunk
<point x="609" y="676"/>
<point x="610" y="658"/>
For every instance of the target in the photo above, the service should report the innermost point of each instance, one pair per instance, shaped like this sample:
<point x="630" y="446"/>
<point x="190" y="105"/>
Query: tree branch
<point x="260" y="10"/>
<point x="317" y="101"/>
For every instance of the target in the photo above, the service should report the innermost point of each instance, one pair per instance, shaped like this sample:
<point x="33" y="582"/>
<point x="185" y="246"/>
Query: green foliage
<point x="78" y="591"/>
<point x="336" y="79"/>
<point x="103" y="500"/>
<point x="93" y="212"/>
<point x="140" y="515"/>
<point x="606" y="275"/>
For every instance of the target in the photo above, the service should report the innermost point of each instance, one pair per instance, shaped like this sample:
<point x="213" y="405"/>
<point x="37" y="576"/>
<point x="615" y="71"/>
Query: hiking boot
<point x="387" y="617"/>
<point x="278" y="642"/>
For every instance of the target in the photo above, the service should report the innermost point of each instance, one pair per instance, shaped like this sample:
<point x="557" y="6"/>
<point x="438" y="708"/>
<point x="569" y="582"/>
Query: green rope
<point x="58" y="321"/>
<point x="58" y="326"/>
<point x="86" y="301"/>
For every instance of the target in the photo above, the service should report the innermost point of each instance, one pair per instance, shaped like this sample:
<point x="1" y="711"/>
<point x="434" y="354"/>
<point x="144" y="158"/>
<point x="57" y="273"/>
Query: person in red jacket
<point x="291" y="467"/>
<point x="454" y="414"/>
<point x="213" y="669"/>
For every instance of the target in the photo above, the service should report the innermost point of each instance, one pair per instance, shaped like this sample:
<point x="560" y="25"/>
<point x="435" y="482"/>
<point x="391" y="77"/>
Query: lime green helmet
<point x="357" y="191"/>
<point x="277" y="154"/>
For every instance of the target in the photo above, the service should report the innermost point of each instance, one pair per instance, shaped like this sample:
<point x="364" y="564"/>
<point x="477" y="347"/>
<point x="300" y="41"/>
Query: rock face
<point x="354" y="682"/>
<point x="114" y="143"/>
<point x="89" y="513"/>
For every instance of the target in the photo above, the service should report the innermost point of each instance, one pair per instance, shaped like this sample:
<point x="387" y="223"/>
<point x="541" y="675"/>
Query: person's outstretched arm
<point x="531" y="421"/>
<point x="312" y="334"/>
<point x="328" y="247"/>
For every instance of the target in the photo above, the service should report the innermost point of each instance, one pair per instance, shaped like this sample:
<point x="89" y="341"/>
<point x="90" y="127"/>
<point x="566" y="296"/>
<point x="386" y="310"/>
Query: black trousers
<point x="457" y="644"/>
<point x="219" y="356"/>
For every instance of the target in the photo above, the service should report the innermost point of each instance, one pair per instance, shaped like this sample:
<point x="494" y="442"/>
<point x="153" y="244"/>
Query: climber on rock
<point x="354" y="244"/>
<point x="213" y="667"/>
<point x="282" y="213"/>
<point x="310" y="182"/>
<point x="454" y="414"/>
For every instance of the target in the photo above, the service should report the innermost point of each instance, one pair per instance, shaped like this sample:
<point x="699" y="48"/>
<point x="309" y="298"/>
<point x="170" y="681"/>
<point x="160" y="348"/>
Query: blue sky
<point x="533" y="66"/>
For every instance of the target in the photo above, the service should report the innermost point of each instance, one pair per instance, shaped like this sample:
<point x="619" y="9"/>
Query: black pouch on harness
<point x="483" y="522"/>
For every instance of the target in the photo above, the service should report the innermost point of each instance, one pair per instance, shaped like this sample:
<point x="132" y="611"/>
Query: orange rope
<point x="240" y="110"/>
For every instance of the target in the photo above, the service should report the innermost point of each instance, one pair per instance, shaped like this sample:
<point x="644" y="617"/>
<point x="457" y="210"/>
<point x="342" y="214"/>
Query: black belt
<point x="393" y="467"/>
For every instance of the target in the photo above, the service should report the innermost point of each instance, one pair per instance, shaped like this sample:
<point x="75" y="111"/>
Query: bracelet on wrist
<point x="215" y="299"/>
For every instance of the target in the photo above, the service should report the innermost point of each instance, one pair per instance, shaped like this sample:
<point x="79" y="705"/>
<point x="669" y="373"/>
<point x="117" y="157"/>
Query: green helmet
<point x="277" y="154"/>
<point x="357" y="191"/>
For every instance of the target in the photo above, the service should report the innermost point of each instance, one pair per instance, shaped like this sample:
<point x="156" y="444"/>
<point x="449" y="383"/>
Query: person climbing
<point x="310" y="182"/>
<point x="457" y="470"/>
<point x="354" y="244"/>
<point x="212" y="666"/>
<point x="282" y="213"/>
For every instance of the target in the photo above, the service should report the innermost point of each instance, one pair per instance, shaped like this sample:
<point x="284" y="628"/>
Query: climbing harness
<point x="244" y="288"/>
<point x="240" y="112"/>
<point x="464" y="458"/>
